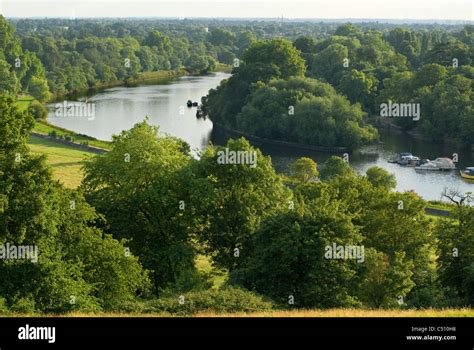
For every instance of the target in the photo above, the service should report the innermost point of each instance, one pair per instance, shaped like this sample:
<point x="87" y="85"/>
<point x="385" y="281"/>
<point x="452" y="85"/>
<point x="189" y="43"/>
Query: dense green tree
<point x="145" y="178"/>
<point x="347" y="30"/>
<point x="305" y="44"/>
<point x="302" y="276"/>
<point x="329" y="63"/>
<point x="221" y="36"/>
<point x="444" y="53"/>
<point x="244" y="40"/>
<point x="456" y="255"/>
<point x="200" y="63"/>
<point x="235" y="196"/>
<point x="277" y="52"/>
<point x="38" y="88"/>
<point x="380" y="177"/>
<point x="334" y="166"/>
<point x="263" y="60"/>
<point x="384" y="283"/>
<point x="37" y="110"/>
<point x="304" y="110"/>
<point x="73" y="265"/>
<point x="8" y="81"/>
<point x="358" y="87"/>
<point x="304" y="170"/>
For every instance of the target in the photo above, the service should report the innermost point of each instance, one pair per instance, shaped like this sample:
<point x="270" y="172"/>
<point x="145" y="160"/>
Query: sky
<point x="321" y="9"/>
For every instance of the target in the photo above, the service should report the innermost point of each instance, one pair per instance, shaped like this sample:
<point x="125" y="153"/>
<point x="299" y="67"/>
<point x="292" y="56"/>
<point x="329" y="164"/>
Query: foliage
<point x="333" y="167"/>
<point x="380" y="177"/>
<point x="233" y="199"/>
<point x="304" y="110"/>
<point x="146" y="178"/>
<point x="38" y="110"/>
<point x="301" y="274"/>
<point x="226" y="300"/>
<point x="456" y="252"/>
<point x="76" y="266"/>
<point x="304" y="170"/>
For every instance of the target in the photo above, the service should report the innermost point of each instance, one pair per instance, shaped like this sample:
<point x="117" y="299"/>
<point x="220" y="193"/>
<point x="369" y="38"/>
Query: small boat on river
<point x="400" y="156"/>
<point x="468" y="173"/>
<point x="438" y="164"/>
<point x="408" y="159"/>
<point x="192" y="104"/>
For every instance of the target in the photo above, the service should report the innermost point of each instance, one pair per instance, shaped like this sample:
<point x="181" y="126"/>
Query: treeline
<point x="267" y="95"/>
<point x="128" y="239"/>
<point x="402" y="66"/>
<point x="20" y="70"/>
<point x="368" y="64"/>
<point x="76" y="55"/>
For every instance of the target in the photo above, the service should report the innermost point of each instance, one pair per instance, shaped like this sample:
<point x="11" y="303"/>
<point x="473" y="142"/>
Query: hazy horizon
<point x="336" y="10"/>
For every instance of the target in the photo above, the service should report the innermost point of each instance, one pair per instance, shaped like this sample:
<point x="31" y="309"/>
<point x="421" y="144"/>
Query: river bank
<point x="386" y="125"/>
<point x="82" y="141"/>
<point x="276" y="143"/>
<point x="144" y="78"/>
<point x="152" y="78"/>
<point x="120" y="108"/>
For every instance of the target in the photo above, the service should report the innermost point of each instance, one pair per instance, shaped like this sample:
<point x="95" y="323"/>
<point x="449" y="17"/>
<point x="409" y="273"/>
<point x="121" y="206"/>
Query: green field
<point x="24" y="101"/>
<point x="42" y="127"/>
<point x="66" y="162"/>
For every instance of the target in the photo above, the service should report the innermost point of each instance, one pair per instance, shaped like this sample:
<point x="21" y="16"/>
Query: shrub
<point x="37" y="110"/>
<point x="23" y="305"/>
<point x="225" y="300"/>
<point x="3" y="306"/>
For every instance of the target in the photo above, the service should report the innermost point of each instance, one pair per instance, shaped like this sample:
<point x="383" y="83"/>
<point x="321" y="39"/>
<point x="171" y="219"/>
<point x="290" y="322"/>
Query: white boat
<point x="437" y="164"/>
<point x="408" y="160"/>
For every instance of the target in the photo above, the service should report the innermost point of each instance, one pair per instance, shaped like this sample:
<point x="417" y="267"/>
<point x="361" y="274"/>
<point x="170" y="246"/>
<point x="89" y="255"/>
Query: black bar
<point x="142" y="330"/>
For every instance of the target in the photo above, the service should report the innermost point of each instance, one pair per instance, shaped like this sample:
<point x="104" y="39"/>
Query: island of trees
<point x="328" y="92"/>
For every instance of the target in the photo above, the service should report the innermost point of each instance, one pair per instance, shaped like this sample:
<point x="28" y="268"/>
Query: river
<point x="119" y="108"/>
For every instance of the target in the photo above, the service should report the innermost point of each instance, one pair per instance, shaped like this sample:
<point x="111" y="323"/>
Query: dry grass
<point x="297" y="313"/>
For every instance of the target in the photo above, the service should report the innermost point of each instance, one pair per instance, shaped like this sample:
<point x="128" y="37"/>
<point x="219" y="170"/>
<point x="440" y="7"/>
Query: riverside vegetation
<point x="151" y="229"/>
<point x="129" y="238"/>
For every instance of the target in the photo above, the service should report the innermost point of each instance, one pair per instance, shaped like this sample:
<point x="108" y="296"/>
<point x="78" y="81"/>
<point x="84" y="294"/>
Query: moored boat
<point x="437" y="164"/>
<point x="468" y="173"/>
<point x="408" y="160"/>
<point x="400" y="156"/>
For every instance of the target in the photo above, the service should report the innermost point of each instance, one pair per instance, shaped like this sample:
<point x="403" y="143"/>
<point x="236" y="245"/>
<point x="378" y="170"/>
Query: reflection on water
<point x="120" y="108"/>
<point x="429" y="185"/>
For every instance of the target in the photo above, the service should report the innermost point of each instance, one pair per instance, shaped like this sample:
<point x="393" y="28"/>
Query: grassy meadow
<point x="65" y="161"/>
<point x="280" y="313"/>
